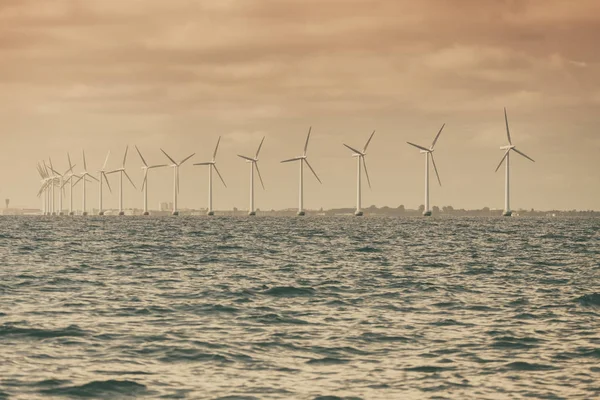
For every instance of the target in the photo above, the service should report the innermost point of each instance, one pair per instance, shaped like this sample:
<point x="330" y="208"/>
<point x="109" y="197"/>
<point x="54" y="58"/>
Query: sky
<point x="103" y="74"/>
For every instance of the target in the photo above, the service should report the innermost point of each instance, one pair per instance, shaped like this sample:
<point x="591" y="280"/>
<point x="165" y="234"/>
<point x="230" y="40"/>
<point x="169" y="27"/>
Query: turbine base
<point x="101" y="213"/>
<point x="146" y="213"/>
<point x="71" y="213"/>
<point x="210" y="213"/>
<point x="84" y="213"/>
<point x="301" y="213"/>
<point x="121" y="212"/>
<point x="175" y="213"/>
<point x="252" y="213"/>
<point x="427" y="213"/>
<point x="61" y="213"/>
<point x="358" y="213"/>
<point x="507" y="214"/>
<point x="53" y="213"/>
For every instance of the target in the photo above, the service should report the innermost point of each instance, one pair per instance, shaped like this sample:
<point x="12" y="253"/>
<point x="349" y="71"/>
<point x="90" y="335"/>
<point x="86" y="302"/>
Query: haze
<point x="101" y="74"/>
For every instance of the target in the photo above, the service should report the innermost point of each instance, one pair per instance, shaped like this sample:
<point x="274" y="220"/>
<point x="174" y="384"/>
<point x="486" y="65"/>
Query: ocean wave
<point x="289" y="291"/>
<point x="106" y="389"/>
<point x="9" y="329"/>
<point x="589" y="300"/>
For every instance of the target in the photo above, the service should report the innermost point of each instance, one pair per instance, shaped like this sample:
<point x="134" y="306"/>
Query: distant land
<point x="446" y="211"/>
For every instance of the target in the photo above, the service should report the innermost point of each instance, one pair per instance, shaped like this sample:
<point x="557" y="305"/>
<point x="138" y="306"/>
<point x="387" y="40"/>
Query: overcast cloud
<point x="101" y="74"/>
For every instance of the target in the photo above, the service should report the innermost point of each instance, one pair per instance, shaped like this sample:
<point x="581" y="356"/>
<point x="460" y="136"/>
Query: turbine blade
<point x="507" y="130"/>
<point x="203" y="163"/>
<point x="168" y="156"/>
<point x="125" y="156"/>
<point x="93" y="177"/>
<point x="107" y="183"/>
<point x="523" y="154"/>
<point x="437" y="136"/>
<point x="69" y="158"/>
<point x="142" y="157"/>
<point x="292" y="159"/>
<point x="418" y="147"/>
<point x="106" y="161"/>
<point x="157" y="166"/>
<point x="435" y="169"/>
<point x="127" y="175"/>
<point x="368" y="141"/>
<point x="501" y="161"/>
<point x="187" y="158"/>
<point x="218" y="173"/>
<point x="313" y="171"/>
<point x="259" y="147"/>
<point x="353" y="149"/>
<point x="84" y="162"/>
<point x="216" y="148"/>
<point x="366" y="171"/>
<point x="307" y="138"/>
<point x="246" y="158"/>
<point x="77" y="181"/>
<point x="260" y="177"/>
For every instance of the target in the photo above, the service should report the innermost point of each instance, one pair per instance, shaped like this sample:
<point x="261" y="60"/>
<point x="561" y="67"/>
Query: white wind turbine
<point x="146" y="167"/>
<point x="508" y="148"/>
<point x="175" y="167"/>
<point x="43" y="188"/>
<point x="360" y="156"/>
<point x="83" y="177"/>
<point x="212" y="164"/>
<point x="102" y="177"/>
<point x="61" y="183"/>
<point x="122" y="172"/>
<point x="51" y="180"/>
<point x="429" y="152"/>
<point x="69" y="179"/>
<point x="254" y="164"/>
<point x="303" y="160"/>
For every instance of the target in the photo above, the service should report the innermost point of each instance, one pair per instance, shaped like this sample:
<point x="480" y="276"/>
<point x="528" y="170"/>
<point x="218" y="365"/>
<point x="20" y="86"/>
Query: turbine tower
<point x="83" y="178"/>
<point x="303" y="160"/>
<point x="254" y="164"/>
<point x="429" y="153"/>
<point x="102" y="177"/>
<point x="360" y="157"/>
<point x="175" y="167"/>
<point x="212" y="164"/>
<point x="508" y="148"/>
<point x="122" y="172"/>
<point x="146" y="167"/>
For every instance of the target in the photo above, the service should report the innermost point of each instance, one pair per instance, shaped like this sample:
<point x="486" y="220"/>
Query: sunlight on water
<point x="373" y="308"/>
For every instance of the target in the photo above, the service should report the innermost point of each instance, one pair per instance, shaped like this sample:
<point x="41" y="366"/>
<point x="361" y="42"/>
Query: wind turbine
<point x="83" y="178"/>
<point x="254" y="164"/>
<point x="303" y="160"/>
<point x="175" y="167"/>
<point x="212" y="164"/>
<point x="146" y="167"/>
<point x="508" y="148"/>
<point x="102" y="177"/>
<point x="51" y="179"/>
<point x="69" y="179"/>
<point x="61" y="183"/>
<point x="360" y="156"/>
<point x="43" y="188"/>
<point x="429" y="152"/>
<point x="122" y="172"/>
